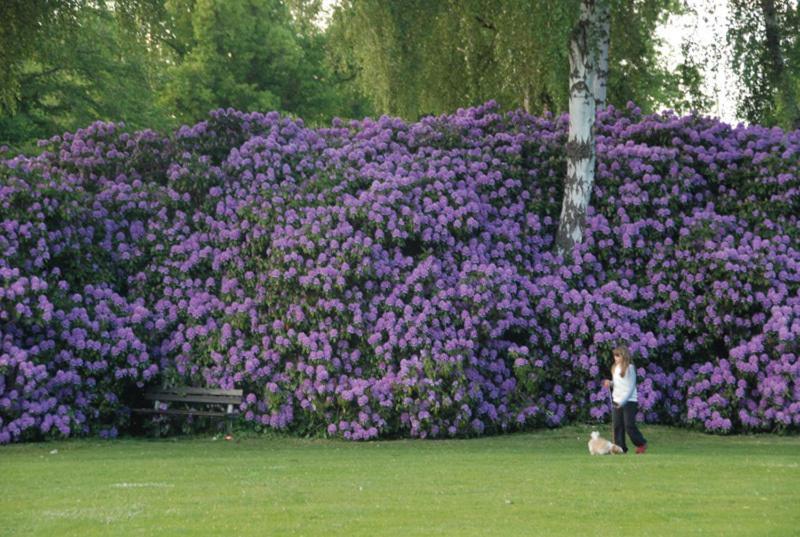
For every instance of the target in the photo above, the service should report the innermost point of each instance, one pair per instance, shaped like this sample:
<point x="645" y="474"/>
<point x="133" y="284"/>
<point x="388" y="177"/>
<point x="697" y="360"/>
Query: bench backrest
<point x="185" y="394"/>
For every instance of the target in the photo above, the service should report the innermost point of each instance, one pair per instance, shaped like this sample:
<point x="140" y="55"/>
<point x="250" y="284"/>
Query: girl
<point x="625" y="400"/>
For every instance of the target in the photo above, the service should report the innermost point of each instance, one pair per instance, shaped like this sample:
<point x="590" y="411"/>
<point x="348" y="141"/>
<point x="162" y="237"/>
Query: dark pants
<point x="624" y="420"/>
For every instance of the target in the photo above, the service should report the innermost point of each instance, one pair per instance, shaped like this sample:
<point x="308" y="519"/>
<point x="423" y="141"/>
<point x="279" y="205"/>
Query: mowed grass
<point x="540" y="483"/>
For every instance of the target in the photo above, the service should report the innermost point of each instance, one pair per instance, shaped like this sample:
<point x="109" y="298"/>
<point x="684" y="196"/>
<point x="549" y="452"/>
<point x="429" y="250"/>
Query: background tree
<point x="766" y="56"/>
<point x="26" y="24"/>
<point x="22" y="24"/>
<point x="248" y="55"/>
<point x="153" y="63"/>
<point x="415" y="57"/>
<point x="98" y="69"/>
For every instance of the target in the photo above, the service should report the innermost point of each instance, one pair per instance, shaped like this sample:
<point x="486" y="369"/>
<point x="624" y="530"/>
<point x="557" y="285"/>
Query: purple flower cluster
<point x="379" y="278"/>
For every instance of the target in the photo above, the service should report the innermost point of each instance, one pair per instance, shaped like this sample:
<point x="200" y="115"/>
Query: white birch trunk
<point x="580" y="142"/>
<point x="603" y="39"/>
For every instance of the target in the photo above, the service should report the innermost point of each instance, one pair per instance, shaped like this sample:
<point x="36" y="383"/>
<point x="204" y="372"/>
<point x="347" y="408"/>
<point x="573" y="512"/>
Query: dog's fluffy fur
<point x="601" y="446"/>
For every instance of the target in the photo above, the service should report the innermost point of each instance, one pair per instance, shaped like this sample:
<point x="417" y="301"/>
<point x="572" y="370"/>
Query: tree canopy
<point x="766" y="56"/>
<point x="158" y="63"/>
<point x="76" y="75"/>
<point x="417" y="57"/>
<point x="155" y="63"/>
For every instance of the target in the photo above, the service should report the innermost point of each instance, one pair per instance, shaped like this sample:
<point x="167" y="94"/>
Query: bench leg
<point x="229" y="420"/>
<point x="156" y="405"/>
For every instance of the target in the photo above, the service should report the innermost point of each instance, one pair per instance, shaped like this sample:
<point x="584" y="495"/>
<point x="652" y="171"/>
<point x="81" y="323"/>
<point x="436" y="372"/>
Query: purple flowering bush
<point x="379" y="278"/>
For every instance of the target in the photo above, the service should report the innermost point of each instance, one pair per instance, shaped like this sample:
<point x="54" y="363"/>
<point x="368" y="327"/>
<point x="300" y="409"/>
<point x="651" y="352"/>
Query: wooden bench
<point x="189" y="398"/>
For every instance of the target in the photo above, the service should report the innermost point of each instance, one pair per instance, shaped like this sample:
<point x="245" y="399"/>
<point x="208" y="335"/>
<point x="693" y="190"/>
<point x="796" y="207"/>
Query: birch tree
<point x="602" y="33"/>
<point x="580" y="141"/>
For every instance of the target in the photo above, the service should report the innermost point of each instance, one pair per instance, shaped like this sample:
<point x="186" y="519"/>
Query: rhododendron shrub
<point x="380" y="278"/>
<point x="72" y="345"/>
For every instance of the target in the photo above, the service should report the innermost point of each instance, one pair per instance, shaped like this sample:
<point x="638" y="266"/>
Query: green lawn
<point x="542" y="483"/>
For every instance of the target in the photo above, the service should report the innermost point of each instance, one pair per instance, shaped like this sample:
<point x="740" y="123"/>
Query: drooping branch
<point x="487" y="24"/>
<point x="776" y="64"/>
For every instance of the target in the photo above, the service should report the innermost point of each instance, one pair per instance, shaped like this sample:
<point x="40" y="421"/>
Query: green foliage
<point x="25" y="25"/>
<point x="635" y="70"/>
<point x="152" y="63"/>
<point x="240" y="55"/>
<point x="21" y="25"/>
<point x="767" y="63"/>
<point x="416" y="57"/>
<point x="74" y="78"/>
<point x="252" y="55"/>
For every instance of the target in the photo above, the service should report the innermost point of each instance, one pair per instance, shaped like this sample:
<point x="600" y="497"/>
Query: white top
<point x="624" y="388"/>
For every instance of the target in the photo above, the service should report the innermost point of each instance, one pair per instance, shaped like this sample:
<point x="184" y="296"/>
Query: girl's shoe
<point x="641" y="449"/>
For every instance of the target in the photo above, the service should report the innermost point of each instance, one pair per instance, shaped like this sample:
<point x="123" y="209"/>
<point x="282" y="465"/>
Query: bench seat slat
<point x="182" y="412"/>
<point x="180" y="398"/>
<point x="187" y="390"/>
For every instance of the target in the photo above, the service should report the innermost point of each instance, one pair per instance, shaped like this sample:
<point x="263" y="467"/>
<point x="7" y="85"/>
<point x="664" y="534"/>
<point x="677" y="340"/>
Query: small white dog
<point x="601" y="446"/>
